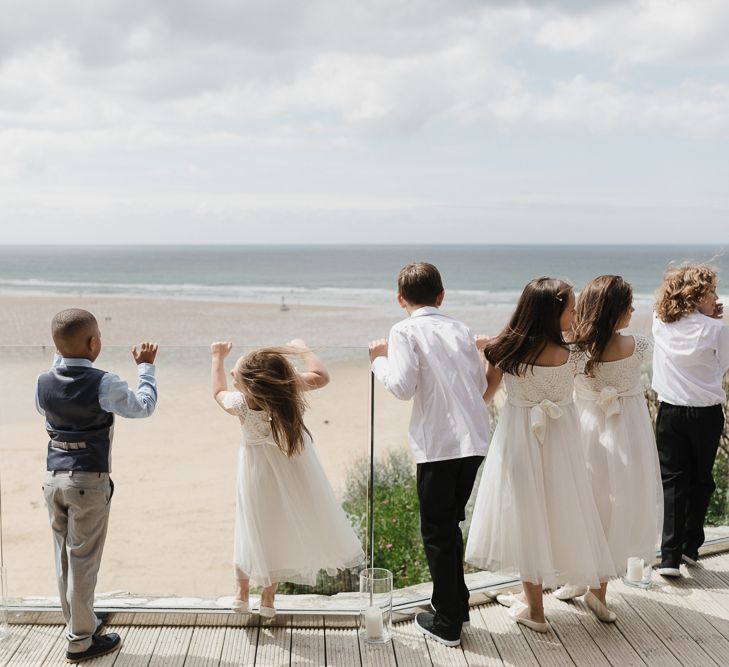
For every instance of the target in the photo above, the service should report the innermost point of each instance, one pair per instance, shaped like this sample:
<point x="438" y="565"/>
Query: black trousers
<point x="687" y="439"/>
<point x="443" y="491"/>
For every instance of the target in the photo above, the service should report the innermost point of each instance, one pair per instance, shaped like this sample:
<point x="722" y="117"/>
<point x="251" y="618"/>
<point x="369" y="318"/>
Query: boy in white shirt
<point x="690" y="357"/>
<point x="433" y="359"/>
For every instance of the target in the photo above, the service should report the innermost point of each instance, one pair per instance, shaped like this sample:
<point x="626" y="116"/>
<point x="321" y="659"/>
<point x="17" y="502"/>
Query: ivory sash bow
<point x="608" y="398"/>
<point x="540" y="412"/>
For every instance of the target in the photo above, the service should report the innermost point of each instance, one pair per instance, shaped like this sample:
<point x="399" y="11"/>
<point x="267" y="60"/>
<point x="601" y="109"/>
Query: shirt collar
<point x="70" y="361"/>
<point x="425" y="310"/>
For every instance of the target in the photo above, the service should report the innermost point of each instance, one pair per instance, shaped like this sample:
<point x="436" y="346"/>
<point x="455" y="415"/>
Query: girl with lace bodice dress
<point x="534" y="515"/>
<point x="288" y="522"/>
<point x="620" y="446"/>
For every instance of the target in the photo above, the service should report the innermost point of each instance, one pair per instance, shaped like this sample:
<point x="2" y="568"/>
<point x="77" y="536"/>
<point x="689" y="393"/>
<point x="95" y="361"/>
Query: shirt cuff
<point x="380" y="363"/>
<point x="145" y="369"/>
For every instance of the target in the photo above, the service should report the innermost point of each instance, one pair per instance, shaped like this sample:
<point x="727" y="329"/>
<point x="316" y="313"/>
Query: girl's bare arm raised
<point x="315" y="376"/>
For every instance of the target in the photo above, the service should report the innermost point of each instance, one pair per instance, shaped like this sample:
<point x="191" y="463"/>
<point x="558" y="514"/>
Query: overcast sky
<point x="188" y="121"/>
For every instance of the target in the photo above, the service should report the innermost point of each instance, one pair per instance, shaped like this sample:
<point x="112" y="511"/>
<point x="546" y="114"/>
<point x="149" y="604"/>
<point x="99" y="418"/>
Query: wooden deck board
<point x="239" y="646"/>
<point x="409" y="646"/>
<point x="12" y="642"/>
<point x="206" y="647"/>
<point x="479" y="649"/>
<point x="171" y="648"/>
<point x="577" y="641"/>
<point x="676" y="638"/>
<point x="40" y="642"/>
<point x="342" y="647"/>
<point x="139" y="646"/>
<point x="307" y="647"/>
<point x="609" y="638"/>
<point x="511" y="644"/>
<point x="673" y="623"/>
<point x="274" y="644"/>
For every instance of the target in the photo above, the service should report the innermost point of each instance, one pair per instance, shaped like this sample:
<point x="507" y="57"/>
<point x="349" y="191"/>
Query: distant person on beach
<point x="535" y="515"/>
<point x="288" y="522"/>
<point x="79" y="403"/>
<point x="432" y="358"/>
<point x="617" y="430"/>
<point x="690" y="358"/>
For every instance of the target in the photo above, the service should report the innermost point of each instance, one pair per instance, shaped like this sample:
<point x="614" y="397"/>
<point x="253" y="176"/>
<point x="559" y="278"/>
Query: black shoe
<point x="691" y="558"/>
<point x="101" y="618"/>
<point x="425" y="623"/>
<point x="466" y="615"/>
<point x="668" y="569"/>
<point x="100" y="645"/>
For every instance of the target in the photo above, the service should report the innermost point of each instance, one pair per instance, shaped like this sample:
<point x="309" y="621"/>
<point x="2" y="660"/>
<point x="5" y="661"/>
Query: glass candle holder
<point x="637" y="573"/>
<point x="375" y="588"/>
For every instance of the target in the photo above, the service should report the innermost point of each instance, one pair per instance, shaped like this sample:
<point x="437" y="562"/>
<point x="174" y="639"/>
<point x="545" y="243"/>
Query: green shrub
<point x="398" y="546"/>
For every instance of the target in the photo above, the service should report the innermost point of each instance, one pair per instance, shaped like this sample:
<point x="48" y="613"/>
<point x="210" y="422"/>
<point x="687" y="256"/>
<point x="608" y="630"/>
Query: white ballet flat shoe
<point x="240" y="606"/>
<point x="508" y="599"/>
<point x="267" y="612"/>
<point x="599" y="609"/>
<point x="568" y="592"/>
<point x="520" y="613"/>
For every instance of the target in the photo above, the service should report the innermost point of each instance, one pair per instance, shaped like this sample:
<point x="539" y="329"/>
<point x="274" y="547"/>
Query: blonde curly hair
<point x="683" y="288"/>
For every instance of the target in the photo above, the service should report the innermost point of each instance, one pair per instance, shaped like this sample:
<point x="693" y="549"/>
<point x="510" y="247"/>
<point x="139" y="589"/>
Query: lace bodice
<point x="554" y="383"/>
<point x="256" y="424"/>
<point x="623" y="374"/>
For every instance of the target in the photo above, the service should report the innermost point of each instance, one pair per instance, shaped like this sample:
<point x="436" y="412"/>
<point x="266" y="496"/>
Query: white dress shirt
<point x="433" y="359"/>
<point x="690" y="357"/>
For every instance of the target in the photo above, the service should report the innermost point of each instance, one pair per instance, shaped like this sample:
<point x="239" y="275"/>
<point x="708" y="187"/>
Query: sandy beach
<point x="171" y="526"/>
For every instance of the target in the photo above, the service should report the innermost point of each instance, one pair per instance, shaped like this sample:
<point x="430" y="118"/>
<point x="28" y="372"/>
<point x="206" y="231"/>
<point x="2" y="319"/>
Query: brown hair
<point x="419" y="284"/>
<point x="602" y="304"/>
<point x="275" y="387"/>
<point x="683" y="288"/>
<point x="69" y="327"/>
<point x="535" y="323"/>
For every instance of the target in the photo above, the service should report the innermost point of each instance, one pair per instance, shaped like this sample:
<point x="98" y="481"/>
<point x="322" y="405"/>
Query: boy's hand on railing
<point x="221" y="348"/>
<point x="481" y="342"/>
<point x="378" y="348"/>
<point x="145" y="354"/>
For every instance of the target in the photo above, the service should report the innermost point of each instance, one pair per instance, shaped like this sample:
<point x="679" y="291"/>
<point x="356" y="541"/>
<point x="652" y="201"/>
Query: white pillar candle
<point x="373" y="622"/>
<point x="635" y="570"/>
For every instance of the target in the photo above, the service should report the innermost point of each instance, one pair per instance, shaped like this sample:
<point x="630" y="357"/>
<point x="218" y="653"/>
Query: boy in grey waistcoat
<point x="79" y="402"/>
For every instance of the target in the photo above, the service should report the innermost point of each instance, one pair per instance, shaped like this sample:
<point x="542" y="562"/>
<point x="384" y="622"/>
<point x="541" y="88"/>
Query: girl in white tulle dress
<point x="288" y="524"/>
<point x="622" y="459"/>
<point x="534" y="514"/>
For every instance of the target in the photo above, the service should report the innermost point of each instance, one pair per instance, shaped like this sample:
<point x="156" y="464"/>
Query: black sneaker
<point x="691" y="559"/>
<point x="425" y="623"/>
<point x="100" y="645"/>
<point x="430" y="608"/>
<point x="670" y="570"/>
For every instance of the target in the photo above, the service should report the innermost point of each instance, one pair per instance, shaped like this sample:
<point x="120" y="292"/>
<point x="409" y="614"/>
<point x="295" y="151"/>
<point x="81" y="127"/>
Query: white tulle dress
<point x="535" y="515"/>
<point x="288" y="522"/>
<point x="622" y="459"/>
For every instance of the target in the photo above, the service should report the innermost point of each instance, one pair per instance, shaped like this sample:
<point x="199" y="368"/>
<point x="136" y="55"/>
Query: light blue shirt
<point x="114" y="393"/>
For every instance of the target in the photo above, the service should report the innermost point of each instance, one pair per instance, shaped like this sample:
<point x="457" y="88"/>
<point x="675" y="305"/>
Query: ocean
<point x="341" y="275"/>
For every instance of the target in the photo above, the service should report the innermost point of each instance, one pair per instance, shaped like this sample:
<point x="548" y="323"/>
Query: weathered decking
<point x="673" y="623"/>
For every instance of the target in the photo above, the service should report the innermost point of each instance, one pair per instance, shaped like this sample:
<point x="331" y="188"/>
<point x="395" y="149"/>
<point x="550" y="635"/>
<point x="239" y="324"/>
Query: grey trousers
<point x="78" y="508"/>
